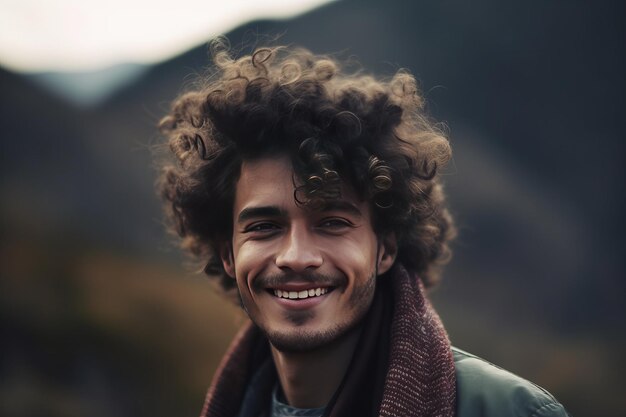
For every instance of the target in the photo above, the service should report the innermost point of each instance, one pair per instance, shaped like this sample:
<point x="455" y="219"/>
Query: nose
<point x="299" y="251"/>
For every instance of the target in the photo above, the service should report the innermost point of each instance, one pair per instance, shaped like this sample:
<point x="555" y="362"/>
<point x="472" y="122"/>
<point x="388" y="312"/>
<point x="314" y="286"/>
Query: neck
<point x="309" y="379"/>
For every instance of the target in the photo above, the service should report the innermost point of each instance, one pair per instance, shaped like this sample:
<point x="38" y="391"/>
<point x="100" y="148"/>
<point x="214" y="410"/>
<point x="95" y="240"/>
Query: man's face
<point x="305" y="276"/>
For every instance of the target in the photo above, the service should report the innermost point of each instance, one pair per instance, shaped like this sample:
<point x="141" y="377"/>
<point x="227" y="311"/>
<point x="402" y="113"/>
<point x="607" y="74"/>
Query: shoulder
<point x="486" y="390"/>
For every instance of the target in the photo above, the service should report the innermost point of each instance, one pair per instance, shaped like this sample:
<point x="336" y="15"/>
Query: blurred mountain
<point x="89" y="88"/>
<point x="74" y="170"/>
<point x="532" y="94"/>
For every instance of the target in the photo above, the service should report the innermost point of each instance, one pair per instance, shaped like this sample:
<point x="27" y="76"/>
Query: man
<point x="313" y="198"/>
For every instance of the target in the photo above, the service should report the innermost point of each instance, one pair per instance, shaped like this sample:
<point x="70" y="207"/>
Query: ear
<point x="228" y="260"/>
<point x="387" y="252"/>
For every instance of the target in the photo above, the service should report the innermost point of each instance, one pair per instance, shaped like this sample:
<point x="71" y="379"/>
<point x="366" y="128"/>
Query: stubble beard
<point x="296" y="340"/>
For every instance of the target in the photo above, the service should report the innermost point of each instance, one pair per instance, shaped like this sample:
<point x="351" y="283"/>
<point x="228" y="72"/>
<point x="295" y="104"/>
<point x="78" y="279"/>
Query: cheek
<point x="355" y="257"/>
<point x="250" y="260"/>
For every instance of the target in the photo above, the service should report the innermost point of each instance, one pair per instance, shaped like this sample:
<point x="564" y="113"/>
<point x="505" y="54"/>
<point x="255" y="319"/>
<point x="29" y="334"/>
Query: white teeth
<point x="293" y="295"/>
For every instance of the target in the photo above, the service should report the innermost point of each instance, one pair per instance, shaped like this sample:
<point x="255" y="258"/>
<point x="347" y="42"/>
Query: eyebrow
<point x="262" y="211"/>
<point x="249" y="213"/>
<point x="342" y="205"/>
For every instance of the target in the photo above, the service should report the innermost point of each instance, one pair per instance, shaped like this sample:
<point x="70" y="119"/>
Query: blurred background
<point x="99" y="317"/>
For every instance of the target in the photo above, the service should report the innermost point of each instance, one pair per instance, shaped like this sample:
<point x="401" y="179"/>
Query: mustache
<point x="276" y="280"/>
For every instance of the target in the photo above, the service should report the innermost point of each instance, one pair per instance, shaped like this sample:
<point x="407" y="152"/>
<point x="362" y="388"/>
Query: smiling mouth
<point x="301" y="295"/>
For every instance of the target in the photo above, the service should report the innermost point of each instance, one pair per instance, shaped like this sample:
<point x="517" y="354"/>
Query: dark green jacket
<point x="485" y="390"/>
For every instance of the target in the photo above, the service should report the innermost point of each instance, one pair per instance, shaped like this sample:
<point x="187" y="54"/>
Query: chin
<point x="301" y="340"/>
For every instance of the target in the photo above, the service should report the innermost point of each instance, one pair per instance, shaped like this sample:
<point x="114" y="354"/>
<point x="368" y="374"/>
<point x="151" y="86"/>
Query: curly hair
<point x="373" y="134"/>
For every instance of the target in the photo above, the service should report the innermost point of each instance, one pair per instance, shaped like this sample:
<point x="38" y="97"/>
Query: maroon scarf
<point x="403" y="365"/>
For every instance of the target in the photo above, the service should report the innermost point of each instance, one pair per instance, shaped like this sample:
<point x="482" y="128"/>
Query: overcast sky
<point x="83" y="35"/>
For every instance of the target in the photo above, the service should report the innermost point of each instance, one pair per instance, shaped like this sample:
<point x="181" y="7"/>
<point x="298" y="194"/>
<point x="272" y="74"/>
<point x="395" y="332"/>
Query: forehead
<point x="264" y="169"/>
<point x="270" y="181"/>
<point x="264" y="178"/>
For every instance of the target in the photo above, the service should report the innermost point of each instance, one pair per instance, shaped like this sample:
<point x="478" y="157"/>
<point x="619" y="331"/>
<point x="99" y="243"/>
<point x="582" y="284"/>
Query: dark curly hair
<point x="373" y="134"/>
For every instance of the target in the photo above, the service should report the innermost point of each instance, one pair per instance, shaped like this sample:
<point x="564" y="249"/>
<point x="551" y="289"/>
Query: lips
<point x="300" y="295"/>
<point x="298" y="287"/>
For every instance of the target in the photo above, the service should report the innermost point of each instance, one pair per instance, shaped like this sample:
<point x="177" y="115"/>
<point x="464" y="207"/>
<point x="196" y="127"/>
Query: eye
<point x="334" y="223"/>
<point x="261" y="227"/>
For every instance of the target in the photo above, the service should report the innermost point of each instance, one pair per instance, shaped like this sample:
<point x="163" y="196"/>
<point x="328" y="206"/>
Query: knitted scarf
<point x="403" y="365"/>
